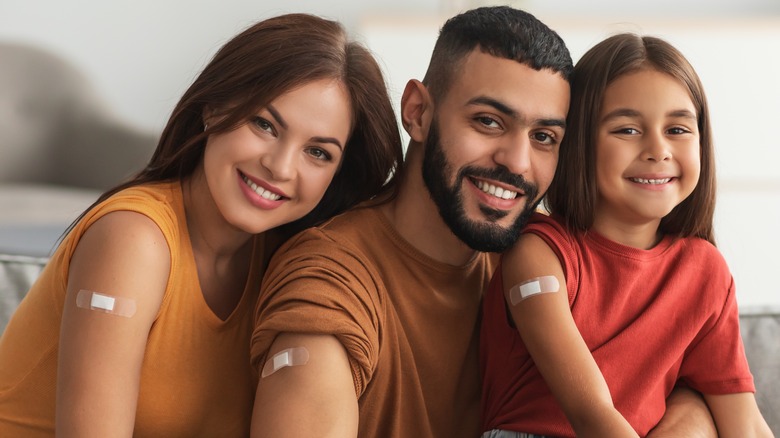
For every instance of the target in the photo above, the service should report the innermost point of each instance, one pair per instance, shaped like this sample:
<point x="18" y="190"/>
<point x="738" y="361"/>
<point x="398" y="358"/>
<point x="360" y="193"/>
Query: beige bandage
<point x="529" y="288"/>
<point x="288" y="357"/>
<point x="87" y="299"/>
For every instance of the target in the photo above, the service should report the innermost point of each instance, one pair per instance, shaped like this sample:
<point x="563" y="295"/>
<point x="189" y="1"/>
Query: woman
<point x="140" y="323"/>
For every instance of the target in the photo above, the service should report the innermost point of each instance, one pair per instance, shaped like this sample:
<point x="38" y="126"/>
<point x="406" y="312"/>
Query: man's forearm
<point x="686" y="415"/>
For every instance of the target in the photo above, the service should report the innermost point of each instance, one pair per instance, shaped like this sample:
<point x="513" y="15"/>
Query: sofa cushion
<point x="17" y="274"/>
<point x="760" y="327"/>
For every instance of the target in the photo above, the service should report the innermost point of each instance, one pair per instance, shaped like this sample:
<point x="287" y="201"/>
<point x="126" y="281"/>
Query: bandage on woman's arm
<point x="116" y="281"/>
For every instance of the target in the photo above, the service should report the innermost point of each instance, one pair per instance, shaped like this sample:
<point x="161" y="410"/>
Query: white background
<point x="141" y="55"/>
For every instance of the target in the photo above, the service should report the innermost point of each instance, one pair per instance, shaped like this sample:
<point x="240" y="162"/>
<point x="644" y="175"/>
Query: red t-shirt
<point x="650" y="318"/>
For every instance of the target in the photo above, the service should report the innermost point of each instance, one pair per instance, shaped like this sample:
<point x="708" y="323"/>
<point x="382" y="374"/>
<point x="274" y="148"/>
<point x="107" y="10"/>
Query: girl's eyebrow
<point x="627" y="112"/>
<point x="682" y="113"/>
<point x="621" y="112"/>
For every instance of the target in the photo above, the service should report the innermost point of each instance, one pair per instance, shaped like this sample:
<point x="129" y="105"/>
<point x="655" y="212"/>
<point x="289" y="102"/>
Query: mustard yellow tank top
<point x="196" y="378"/>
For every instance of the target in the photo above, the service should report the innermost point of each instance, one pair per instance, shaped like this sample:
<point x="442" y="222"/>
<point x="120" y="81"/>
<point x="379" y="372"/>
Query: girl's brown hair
<point x="573" y="191"/>
<point x="258" y="65"/>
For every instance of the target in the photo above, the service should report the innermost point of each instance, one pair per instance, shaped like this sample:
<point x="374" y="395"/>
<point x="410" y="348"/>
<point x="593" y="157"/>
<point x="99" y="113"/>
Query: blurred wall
<point x="140" y="56"/>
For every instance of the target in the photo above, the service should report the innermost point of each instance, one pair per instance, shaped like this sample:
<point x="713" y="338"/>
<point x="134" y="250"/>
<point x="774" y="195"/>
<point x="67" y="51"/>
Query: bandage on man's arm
<point x="543" y="317"/>
<point x="311" y="397"/>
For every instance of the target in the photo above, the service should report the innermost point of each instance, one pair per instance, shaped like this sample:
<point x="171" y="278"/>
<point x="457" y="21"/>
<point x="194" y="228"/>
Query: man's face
<point x="492" y="148"/>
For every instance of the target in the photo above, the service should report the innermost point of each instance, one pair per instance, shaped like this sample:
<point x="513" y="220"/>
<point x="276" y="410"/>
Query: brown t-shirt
<point x="408" y="322"/>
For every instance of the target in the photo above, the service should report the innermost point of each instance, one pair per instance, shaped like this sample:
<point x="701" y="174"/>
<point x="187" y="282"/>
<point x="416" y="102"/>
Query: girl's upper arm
<point x="315" y="398"/>
<point x="737" y="415"/>
<point x="547" y="328"/>
<point x="125" y="258"/>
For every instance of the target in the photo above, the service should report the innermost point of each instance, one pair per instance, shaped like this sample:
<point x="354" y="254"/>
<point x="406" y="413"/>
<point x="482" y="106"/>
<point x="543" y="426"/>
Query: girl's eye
<point x="319" y="154"/>
<point x="627" y="131"/>
<point x="264" y="124"/>
<point x="678" y="130"/>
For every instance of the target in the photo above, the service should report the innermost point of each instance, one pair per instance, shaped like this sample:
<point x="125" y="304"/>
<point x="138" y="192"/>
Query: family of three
<point x="279" y="268"/>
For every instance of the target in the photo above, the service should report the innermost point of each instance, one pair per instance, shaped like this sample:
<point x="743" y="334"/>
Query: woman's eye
<point x="627" y="131"/>
<point x="319" y="154"/>
<point x="264" y="124"/>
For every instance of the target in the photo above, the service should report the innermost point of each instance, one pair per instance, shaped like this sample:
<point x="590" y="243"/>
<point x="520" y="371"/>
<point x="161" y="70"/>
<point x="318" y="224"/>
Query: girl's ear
<point x="416" y="110"/>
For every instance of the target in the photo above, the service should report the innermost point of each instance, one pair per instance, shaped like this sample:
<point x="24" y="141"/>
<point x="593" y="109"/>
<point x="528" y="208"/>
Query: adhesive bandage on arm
<point x="289" y="357"/>
<point x="529" y="288"/>
<point x="87" y="299"/>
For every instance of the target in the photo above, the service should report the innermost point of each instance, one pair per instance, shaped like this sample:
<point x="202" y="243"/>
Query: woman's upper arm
<point x="313" y="397"/>
<point x="124" y="258"/>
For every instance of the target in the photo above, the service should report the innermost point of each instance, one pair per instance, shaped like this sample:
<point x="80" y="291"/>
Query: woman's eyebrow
<point x="277" y="116"/>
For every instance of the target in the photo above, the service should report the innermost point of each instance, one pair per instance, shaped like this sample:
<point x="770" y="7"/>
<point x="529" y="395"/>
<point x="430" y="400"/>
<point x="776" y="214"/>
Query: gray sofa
<point x="760" y="331"/>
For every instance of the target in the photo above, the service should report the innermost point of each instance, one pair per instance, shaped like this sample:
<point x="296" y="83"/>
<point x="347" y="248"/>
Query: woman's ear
<point x="207" y="117"/>
<point x="416" y="110"/>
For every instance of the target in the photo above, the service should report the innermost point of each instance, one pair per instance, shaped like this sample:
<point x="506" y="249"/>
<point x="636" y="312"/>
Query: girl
<point x="620" y="294"/>
<point x="140" y="323"/>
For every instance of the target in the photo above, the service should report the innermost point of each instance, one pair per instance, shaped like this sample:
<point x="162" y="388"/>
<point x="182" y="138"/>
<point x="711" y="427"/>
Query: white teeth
<point x="651" y="181"/>
<point x="261" y="191"/>
<point x="498" y="192"/>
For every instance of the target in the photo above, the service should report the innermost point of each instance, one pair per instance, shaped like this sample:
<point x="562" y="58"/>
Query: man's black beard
<point x="486" y="235"/>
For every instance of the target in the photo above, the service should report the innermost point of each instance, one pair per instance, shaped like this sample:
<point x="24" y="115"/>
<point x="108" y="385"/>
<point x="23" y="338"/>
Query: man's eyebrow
<point x="489" y="101"/>
<point x="502" y="107"/>
<point x="277" y="116"/>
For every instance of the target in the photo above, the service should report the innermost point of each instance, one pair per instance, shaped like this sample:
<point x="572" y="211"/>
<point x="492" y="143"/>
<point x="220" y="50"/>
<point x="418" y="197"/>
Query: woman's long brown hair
<point x="263" y="62"/>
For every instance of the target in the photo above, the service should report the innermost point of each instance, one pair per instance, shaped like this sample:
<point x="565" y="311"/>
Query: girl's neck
<point x="644" y="235"/>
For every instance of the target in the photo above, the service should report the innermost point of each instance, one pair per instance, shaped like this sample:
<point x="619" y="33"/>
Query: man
<point x="376" y="311"/>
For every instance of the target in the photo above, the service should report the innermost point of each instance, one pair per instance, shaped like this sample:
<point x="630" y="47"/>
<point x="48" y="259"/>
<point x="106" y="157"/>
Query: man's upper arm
<point x="319" y="287"/>
<point x="306" y="389"/>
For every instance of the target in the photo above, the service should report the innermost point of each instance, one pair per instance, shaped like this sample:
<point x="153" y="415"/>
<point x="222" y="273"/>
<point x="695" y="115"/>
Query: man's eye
<point x="488" y="121"/>
<point x="544" y="138"/>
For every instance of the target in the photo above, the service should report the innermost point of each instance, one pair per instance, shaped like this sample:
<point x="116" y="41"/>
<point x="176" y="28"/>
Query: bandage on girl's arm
<point x="547" y="328"/>
<point x="116" y="281"/>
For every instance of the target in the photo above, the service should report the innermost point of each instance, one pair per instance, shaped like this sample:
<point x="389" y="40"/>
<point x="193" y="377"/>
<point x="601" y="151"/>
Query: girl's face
<point x="275" y="168"/>
<point x="647" y="150"/>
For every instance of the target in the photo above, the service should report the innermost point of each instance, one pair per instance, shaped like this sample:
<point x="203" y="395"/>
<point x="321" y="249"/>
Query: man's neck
<point x="416" y="218"/>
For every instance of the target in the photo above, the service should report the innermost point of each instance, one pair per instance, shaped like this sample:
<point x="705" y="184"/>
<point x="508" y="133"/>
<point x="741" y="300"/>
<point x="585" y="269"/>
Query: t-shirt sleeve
<point x="553" y="233"/>
<point x="316" y="285"/>
<point x="715" y="363"/>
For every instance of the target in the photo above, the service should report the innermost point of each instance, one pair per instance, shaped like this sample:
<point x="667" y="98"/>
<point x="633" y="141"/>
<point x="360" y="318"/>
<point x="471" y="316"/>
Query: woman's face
<point x="276" y="167"/>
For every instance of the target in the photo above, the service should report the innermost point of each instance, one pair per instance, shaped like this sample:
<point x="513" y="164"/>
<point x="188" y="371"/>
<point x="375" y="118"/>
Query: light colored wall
<point x="736" y="60"/>
<point x="142" y="54"/>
